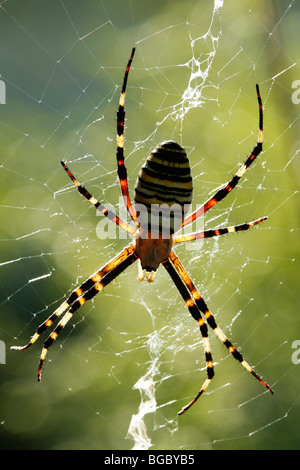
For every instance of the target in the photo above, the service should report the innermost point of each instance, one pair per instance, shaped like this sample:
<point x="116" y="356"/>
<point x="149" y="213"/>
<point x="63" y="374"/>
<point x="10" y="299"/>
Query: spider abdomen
<point x="163" y="191"/>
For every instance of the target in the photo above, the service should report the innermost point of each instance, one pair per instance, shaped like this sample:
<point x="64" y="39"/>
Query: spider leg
<point x="122" y="172"/>
<point x="95" y="285"/>
<point x="50" y="320"/>
<point x="216" y="231"/>
<point x="86" y="291"/>
<point x="194" y="311"/>
<point x="210" y="319"/>
<point x="221" y="193"/>
<point x="107" y="213"/>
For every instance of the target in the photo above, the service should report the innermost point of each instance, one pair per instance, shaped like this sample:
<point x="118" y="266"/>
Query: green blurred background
<point x="62" y="63"/>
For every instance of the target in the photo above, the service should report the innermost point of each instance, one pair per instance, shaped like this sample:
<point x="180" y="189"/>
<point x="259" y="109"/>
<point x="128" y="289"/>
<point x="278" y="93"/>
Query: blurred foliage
<point x="62" y="64"/>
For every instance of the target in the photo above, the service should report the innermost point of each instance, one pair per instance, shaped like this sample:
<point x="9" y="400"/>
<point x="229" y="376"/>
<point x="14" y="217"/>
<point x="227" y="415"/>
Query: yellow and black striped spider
<point x="165" y="181"/>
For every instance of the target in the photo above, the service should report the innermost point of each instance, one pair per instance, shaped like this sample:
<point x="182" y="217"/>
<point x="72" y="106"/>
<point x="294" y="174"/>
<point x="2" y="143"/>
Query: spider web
<point x="131" y="358"/>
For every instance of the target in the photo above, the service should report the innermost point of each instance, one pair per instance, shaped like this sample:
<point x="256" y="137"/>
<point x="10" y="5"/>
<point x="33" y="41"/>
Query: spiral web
<point x="132" y="357"/>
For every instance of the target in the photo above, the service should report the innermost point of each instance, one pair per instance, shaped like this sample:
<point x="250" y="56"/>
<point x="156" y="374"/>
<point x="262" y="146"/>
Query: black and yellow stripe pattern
<point x="164" y="189"/>
<point x="163" y="194"/>
<point x="196" y="314"/>
<point x="100" y="207"/>
<point x="196" y="304"/>
<point x="217" y="231"/>
<point x="122" y="171"/>
<point x="78" y="297"/>
<point x="224" y="191"/>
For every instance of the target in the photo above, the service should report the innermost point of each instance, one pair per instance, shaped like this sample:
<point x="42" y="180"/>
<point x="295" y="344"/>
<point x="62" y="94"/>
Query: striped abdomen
<point x="163" y="191"/>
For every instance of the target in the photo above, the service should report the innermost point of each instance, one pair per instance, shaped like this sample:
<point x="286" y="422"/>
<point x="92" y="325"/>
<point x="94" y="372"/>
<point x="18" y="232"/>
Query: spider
<point x="164" y="181"/>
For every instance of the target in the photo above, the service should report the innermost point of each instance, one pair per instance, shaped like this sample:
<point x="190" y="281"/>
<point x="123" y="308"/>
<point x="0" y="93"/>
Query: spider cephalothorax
<point x="162" y="197"/>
